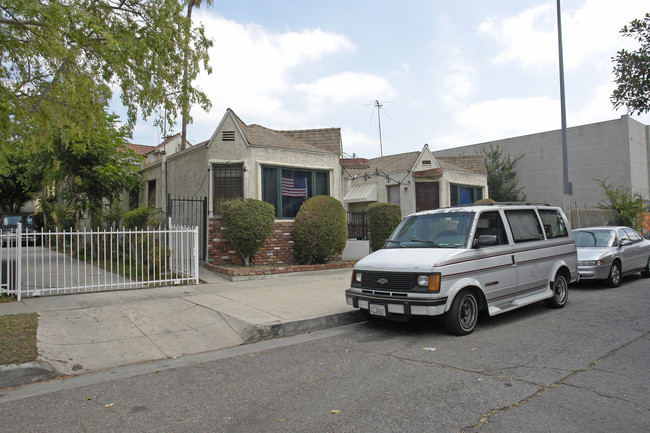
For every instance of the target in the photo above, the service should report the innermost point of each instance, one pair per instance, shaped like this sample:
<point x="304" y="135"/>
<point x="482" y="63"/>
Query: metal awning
<point x="362" y="193"/>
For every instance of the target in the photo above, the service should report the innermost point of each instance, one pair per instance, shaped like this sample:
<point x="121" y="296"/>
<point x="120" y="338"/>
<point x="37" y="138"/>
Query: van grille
<point x="388" y="280"/>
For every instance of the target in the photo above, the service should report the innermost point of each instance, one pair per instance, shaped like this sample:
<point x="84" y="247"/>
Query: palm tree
<point x="185" y="108"/>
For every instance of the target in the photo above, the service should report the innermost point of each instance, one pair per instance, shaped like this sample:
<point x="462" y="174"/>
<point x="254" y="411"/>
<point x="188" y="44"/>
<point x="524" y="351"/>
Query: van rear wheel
<point x="463" y="314"/>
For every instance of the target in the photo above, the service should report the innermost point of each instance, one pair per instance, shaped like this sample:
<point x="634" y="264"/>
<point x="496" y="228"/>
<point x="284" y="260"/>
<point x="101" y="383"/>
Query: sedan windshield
<point x="441" y="230"/>
<point x="595" y="238"/>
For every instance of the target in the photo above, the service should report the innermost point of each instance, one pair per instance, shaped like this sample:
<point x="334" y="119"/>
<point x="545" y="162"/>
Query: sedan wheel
<point x="614" y="278"/>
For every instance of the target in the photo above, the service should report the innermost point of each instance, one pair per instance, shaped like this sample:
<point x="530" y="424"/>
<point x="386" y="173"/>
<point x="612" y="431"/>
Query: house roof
<point x="326" y="140"/>
<point x="406" y="161"/>
<point x="140" y="149"/>
<point x="390" y="163"/>
<point x="465" y="163"/>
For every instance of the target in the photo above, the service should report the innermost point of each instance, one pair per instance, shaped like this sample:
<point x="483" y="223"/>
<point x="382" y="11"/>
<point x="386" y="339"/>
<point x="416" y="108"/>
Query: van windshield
<point x="439" y="230"/>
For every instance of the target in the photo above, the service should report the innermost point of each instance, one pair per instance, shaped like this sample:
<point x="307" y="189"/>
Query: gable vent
<point x="426" y="163"/>
<point x="228" y="136"/>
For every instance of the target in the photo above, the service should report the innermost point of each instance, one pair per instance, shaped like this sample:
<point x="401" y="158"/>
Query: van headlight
<point x="430" y="281"/>
<point x="356" y="279"/>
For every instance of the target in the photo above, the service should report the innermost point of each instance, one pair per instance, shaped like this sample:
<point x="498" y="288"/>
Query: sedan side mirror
<point x="625" y="242"/>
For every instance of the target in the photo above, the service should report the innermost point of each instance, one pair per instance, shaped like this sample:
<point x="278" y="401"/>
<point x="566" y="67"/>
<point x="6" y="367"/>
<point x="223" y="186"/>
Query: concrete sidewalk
<point x="95" y="331"/>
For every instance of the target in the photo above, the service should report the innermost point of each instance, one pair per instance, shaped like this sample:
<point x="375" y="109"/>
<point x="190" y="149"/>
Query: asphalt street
<point x="583" y="368"/>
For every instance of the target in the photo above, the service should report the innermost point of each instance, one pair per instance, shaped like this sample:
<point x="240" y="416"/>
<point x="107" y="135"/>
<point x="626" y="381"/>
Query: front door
<point x="427" y="196"/>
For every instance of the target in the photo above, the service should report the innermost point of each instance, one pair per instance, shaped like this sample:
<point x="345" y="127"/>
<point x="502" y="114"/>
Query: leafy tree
<point x="61" y="58"/>
<point x="502" y="175"/>
<point x="628" y="206"/>
<point x="632" y="70"/>
<point x="186" y="100"/>
<point x="89" y="171"/>
<point x="21" y="180"/>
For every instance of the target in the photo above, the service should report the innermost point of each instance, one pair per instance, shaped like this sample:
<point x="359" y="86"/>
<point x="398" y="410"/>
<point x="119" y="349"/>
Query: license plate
<point x="377" y="310"/>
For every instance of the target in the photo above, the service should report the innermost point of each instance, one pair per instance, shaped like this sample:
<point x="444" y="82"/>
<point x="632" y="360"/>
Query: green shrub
<point x="247" y="224"/>
<point x="320" y="230"/>
<point x="382" y="220"/>
<point x="141" y="218"/>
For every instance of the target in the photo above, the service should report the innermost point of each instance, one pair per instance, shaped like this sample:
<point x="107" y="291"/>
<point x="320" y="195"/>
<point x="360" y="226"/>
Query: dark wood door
<point x="427" y="196"/>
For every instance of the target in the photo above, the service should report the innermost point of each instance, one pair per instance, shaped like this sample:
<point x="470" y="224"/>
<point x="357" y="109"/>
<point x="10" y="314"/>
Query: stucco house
<point x="416" y="181"/>
<point x="283" y="168"/>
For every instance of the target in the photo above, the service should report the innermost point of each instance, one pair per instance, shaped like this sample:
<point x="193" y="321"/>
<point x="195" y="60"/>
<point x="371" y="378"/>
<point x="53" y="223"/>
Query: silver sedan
<point x="609" y="253"/>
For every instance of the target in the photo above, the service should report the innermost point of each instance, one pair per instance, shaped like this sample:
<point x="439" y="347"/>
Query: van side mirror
<point x="485" y="241"/>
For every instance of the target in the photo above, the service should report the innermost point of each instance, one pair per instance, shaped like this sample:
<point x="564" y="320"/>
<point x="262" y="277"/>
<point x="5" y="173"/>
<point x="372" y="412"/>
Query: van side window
<point x="524" y="225"/>
<point x="490" y="223"/>
<point x="553" y="223"/>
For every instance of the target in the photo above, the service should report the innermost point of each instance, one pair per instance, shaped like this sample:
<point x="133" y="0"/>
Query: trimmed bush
<point x="320" y="230"/>
<point x="247" y="224"/>
<point x="383" y="218"/>
<point x="141" y="218"/>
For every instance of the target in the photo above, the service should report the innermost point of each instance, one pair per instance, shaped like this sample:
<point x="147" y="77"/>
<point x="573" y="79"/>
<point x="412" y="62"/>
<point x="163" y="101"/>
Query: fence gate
<point x="192" y="212"/>
<point x="61" y="262"/>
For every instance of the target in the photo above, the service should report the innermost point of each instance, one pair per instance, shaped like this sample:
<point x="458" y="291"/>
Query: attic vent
<point x="426" y="163"/>
<point x="228" y="136"/>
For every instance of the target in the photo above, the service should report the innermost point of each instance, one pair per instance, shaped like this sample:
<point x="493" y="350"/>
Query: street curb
<point x="303" y="326"/>
<point x="22" y="374"/>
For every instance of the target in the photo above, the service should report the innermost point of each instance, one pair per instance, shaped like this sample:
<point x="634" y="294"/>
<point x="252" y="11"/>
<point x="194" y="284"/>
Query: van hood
<point x="407" y="259"/>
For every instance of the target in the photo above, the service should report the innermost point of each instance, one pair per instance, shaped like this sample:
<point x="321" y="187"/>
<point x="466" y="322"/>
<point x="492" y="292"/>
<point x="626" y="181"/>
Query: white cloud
<point x="589" y="34"/>
<point x="343" y="87"/>
<point x="498" y="119"/>
<point x="252" y="67"/>
<point x="360" y="144"/>
<point x="458" y="84"/>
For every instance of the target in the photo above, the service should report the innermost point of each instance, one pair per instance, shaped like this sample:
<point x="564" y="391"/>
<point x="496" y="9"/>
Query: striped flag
<point x="294" y="187"/>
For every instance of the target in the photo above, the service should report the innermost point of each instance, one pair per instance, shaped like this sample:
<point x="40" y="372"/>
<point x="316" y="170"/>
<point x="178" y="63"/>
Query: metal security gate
<point x="53" y="263"/>
<point x="190" y="211"/>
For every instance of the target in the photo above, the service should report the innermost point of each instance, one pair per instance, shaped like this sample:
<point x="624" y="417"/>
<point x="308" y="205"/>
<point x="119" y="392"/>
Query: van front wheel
<point x="463" y="314"/>
<point x="560" y="292"/>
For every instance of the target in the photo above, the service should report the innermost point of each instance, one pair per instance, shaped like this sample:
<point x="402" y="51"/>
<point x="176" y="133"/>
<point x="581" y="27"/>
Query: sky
<point x="446" y="73"/>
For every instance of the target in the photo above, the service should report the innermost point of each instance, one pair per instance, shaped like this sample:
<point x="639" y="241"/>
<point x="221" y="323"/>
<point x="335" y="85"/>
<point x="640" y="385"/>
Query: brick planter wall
<point x="277" y="250"/>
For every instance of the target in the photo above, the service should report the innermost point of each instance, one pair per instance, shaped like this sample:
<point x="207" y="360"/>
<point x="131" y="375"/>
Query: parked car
<point x="609" y="253"/>
<point x="455" y="262"/>
<point x="10" y="224"/>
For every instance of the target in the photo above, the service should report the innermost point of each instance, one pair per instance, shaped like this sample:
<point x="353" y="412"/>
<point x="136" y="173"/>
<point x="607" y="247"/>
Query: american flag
<point x="294" y="187"/>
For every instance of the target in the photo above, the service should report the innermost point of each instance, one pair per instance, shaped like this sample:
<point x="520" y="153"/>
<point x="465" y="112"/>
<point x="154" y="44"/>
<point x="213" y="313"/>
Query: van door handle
<point x="514" y="262"/>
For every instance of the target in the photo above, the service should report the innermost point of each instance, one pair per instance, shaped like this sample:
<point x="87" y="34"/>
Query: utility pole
<point x="568" y="188"/>
<point x="381" y="146"/>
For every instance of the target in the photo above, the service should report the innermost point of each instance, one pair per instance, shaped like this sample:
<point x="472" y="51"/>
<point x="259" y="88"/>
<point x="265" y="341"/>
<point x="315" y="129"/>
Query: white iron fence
<point x="52" y="263"/>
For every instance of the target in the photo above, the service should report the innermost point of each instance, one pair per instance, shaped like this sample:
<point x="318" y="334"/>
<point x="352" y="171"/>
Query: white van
<point x="458" y="261"/>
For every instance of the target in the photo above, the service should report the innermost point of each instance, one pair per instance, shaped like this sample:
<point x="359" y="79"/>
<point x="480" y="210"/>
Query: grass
<point x="18" y="338"/>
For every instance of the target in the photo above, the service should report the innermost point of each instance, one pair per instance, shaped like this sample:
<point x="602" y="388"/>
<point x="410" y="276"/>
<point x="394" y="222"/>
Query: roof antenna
<point x="379" y="106"/>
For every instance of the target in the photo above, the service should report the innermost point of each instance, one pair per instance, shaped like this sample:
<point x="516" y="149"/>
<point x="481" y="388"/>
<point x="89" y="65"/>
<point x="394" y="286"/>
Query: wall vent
<point x="228" y="136"/>
<point x="426" y="163"/>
